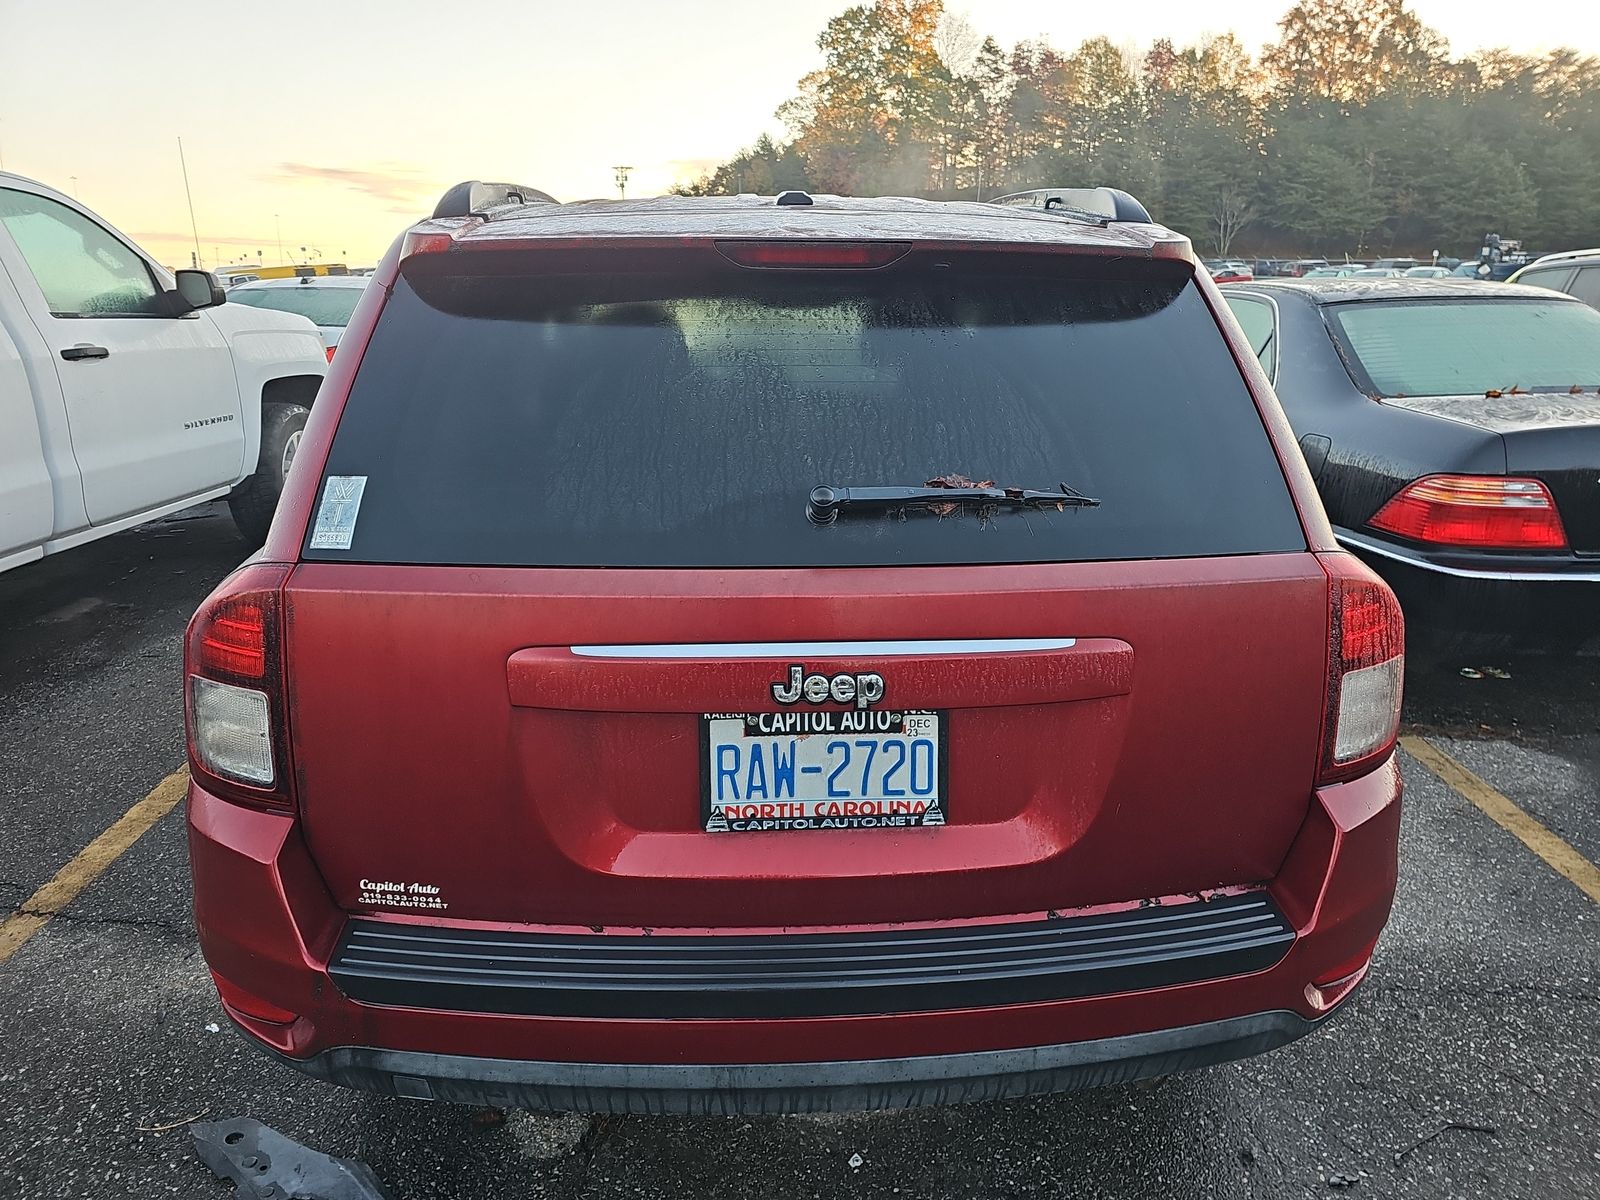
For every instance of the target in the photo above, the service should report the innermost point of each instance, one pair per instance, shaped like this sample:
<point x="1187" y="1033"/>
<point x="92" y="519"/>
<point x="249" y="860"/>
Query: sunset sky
<point x="343" y="121"/>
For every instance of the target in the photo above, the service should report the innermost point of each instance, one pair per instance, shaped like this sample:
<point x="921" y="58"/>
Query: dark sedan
<point x="1454" y="433"/>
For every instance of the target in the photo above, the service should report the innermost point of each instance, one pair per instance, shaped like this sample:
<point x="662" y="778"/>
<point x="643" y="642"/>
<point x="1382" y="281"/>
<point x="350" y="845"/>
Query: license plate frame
<point x="801" y="811"/>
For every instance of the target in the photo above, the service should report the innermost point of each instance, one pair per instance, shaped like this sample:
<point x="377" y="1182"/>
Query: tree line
<point x="1355" y="133"/>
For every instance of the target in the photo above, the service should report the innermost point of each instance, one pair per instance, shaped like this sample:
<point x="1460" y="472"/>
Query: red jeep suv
<point x="765" y="655"/>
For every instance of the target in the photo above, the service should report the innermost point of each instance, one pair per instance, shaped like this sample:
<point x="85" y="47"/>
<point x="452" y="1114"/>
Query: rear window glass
<point x="675" y="420"/>
<point x="1470" y="347"/>
<point x="323" y="305"/>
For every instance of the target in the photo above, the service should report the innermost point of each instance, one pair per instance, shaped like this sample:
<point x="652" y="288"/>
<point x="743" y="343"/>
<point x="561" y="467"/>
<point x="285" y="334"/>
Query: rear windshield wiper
<point x="826" y="502"/>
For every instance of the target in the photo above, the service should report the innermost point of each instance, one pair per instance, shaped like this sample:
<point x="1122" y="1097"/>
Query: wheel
<point x="254" y="501"/>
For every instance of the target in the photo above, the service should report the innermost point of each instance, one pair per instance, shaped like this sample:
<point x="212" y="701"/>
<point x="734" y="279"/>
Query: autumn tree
<point x="870" y="113"/>
<point x="1348" y="51"/>
<point x="1354" y="133"/>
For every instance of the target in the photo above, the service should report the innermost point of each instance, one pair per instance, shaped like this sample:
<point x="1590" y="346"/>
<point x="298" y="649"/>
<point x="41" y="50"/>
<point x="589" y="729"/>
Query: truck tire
<point x="254" y="501"/>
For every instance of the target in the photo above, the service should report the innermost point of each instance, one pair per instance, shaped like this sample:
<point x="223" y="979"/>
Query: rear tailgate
<point x="552" y="458"/>
<point x="450" y="745"/>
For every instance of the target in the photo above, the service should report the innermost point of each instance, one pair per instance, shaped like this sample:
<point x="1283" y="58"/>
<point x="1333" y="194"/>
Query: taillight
<point x="813" y="255"/>
<point x="1366" y="671"/>
<point x="234" y="707"/>
<point x="330" y="353"/>
<point x="1490" y="512"/>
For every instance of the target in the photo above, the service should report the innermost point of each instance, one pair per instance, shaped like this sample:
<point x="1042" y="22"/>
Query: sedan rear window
<point x="330" y="306"/>
<point x="682" y="419"/>
<point x="1470" y="347"/>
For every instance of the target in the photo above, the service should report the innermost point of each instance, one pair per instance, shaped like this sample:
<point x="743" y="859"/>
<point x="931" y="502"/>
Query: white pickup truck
<point x="126" y="392"/>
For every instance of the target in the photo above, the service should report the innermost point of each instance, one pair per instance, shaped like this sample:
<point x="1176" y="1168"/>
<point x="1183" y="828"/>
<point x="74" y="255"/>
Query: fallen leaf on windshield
<point x="1494" y="393"/>
<point x="952" y="481"/>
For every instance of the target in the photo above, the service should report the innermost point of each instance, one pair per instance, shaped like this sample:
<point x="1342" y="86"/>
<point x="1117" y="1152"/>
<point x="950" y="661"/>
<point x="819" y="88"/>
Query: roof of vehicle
<point x="256" y="285"/>
<point x="1561" y="257"/>
<point x="825" y="218"/>
<point x="1348" y="289"/>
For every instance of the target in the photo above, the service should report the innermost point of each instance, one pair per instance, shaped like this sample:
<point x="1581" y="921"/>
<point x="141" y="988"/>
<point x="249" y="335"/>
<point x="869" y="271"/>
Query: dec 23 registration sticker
<point x="822" y="770"/>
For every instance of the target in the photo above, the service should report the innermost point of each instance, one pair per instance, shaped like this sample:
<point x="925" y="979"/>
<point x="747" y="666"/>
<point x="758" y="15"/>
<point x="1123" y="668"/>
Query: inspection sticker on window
<point x="336" y="519"/>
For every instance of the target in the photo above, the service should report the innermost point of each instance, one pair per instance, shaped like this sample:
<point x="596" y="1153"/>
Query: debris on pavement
<point x="265" y="1165"/>
<point x="1343" y="1180"/>
<point x="213" y="1027"/>
<point x="1470" y="673"/>
<point x="545" y="1137"/>
<point x="170" y="1125"/>
<point x="1464" y="1126"/>
<point x="856" y="1161"/>
<point x="1497" y="672"/>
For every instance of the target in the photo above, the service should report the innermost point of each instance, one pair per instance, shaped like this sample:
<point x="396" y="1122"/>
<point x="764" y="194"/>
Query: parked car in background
<point x="1577" y="273"/>
<point x="1426" y="272"/>
<point x="1300" y="266"/>
<point x="1454" y="433"/>
<point x="1331" y="272"/>
<point x="1396" y="264"/>
<point x="1231" y="272"/>
<point x="127" y="392"/>
<point x="762" y="714"/>
<point x="230" y="277"/>
<point x="1375" y="273"/>
<point x="325" y="300"/>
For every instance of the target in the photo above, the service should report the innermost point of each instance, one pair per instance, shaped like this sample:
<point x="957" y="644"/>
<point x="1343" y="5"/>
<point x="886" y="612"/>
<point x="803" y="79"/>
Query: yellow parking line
<point x="1504" y="813"/>
<point x="87" y="865"/>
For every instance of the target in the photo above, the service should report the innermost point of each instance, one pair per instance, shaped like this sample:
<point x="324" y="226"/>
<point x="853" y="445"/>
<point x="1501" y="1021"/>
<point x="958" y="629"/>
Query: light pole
<point x="278" y="223"/>
<point x="621" y="177"/>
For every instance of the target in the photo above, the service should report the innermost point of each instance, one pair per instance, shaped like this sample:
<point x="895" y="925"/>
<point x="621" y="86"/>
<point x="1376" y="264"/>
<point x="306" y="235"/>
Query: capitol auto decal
<point x="812" y="767"/>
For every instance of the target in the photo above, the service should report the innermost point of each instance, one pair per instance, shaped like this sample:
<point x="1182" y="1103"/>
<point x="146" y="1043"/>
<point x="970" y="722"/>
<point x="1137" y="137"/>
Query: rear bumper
<point x="269" y="928"/>
<point x="1483" y="593"/>
<point x="716" y="1089"/>
<point x="1476" y="566"/>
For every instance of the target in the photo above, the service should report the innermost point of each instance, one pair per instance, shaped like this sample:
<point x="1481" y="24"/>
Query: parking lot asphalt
<point x="1467" y="1066"/>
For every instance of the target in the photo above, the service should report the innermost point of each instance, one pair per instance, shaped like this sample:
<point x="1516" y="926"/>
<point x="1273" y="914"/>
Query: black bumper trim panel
<point x="774" y="1088"/>
<point x="807" y="975"/>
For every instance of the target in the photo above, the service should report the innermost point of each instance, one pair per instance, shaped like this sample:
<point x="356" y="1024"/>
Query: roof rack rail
<point x="1101" y="203"/>
<point x="474" y="198"/>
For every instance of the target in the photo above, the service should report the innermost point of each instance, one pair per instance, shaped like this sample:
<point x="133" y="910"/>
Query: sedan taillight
<point x="1366" y="671"/>
<point x="234" y="690"/>
<point x="1485" y="512"/>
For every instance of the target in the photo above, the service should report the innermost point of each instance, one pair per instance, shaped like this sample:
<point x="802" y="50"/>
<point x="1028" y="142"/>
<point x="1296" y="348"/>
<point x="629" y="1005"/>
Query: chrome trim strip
<point x="1411" y="558"/>
<point x="799" y="650"/>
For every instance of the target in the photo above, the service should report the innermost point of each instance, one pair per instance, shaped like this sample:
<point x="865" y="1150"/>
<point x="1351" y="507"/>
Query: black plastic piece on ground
<point x="808" y="975"/>
<point x="474" y="197"/>
<point x="265" y="1165"/>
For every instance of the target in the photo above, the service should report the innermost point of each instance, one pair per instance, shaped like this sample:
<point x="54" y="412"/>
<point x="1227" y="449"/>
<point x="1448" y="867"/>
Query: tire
<point x="255" y="500"/>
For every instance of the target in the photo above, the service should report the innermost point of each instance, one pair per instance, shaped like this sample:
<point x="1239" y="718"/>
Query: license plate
<point x="821" y="770"/>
